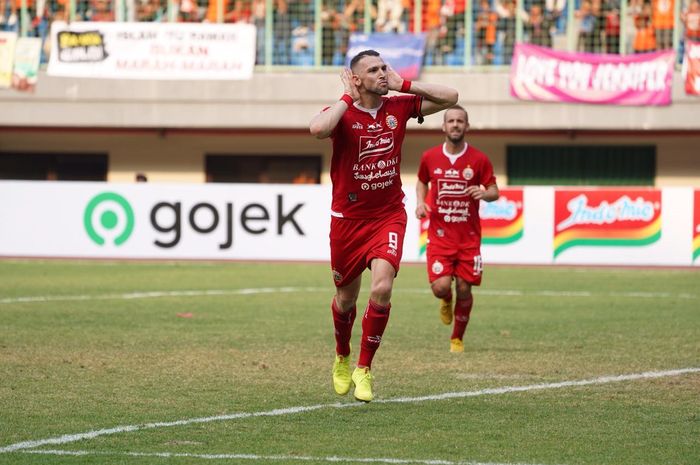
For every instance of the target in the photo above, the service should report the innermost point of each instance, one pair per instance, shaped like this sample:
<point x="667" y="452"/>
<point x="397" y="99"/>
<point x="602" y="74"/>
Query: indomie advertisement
<point x="606" y="218"/>
<point x="502" y="219"/>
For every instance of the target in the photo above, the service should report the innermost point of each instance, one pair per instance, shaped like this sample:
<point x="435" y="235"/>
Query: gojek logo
<point x="108" y="217"/>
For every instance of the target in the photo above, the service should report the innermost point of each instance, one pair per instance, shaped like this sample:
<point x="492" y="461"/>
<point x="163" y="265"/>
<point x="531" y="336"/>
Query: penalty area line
<point x="68" y="438"/>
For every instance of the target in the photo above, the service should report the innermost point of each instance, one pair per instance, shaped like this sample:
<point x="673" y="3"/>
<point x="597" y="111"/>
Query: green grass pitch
<point x="247" y="348"/>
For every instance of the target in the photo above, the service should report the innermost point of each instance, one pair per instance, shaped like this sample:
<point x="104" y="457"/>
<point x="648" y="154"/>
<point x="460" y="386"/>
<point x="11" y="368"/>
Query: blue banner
<point x="403" y="52"/>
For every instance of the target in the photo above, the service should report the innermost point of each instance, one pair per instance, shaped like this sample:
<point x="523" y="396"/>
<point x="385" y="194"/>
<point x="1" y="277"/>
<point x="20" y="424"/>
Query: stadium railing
<point x="314" y="34"/>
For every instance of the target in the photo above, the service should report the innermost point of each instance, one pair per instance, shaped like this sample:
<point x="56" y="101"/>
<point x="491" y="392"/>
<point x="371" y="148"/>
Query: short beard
<point x="380" y="91"/>
<point x="457" y="140"/>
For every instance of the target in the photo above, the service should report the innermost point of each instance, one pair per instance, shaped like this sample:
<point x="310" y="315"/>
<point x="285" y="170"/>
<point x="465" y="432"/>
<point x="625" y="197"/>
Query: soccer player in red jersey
<point x="368" y="218"/>
<point x="452" y="178"/>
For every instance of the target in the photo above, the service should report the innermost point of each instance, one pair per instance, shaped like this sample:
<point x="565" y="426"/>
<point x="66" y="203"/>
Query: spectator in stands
<point x="691" y="20"/>
<point x="485" y="25"/>
<point x="662" y="20"/>
<point x="331" y="19"/>
<point x="611" y="14"/>
<point x="389" y="15"/>
<point x="452" y="24"/>
<point x="431" y="23"/>
<point x="100" y="10"/>
<point x="538" y="27"/>
<point x="506" y="28"/>
<point x="282" y="21"/>
<point x="149" y="11"/>
<point x="9" y="20"/>
<point x="644" y="39"/>
<point x="258" y="16"/>
<point x="587" y="27"/>
<point x="354" y="21"/>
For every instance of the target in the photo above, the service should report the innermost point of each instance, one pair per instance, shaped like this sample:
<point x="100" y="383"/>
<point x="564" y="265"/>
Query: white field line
<point x="68" y="438"/>
<point x="288" y="290"/>
<point x="301" y="458"/>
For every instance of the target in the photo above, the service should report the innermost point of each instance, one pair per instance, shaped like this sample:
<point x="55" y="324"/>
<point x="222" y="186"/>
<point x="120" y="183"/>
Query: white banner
<point x="285" y="222"/>
<point x="7" y="57"/>
<point x="152" y="50"/>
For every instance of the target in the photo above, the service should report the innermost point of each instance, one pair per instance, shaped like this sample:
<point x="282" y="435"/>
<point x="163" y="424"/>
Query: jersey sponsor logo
<point x="374" y="127"/>
<point x="366" y="186"/>
<point x="452" y="173"/>
<point x="378" y="165"/>
<point x="438" y="171"/>
<point x="375" y="146"/>
<point x="358" y="126"/>
<point x="392" y="122"/>
<point x="468" y="173"/>
<point x="437" y="267"/>
<point x="449" y="188"/>
<point x="371" y="176"/>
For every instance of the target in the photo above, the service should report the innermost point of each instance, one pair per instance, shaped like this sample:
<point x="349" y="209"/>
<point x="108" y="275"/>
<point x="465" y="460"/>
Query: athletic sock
<point x="463" y="308"/>
<point x="343" y="323"/>
<point x="373" y="325"/>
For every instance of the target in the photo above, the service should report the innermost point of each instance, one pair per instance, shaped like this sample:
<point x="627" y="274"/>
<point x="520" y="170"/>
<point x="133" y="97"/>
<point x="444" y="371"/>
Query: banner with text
<point x="691" y="68"/>
<point x="27" y="58"/>
<point x="152" y="50"/>
<point x="403" y="52"/>
<point x="546" y="75"/>
<point x="530" y="225"/>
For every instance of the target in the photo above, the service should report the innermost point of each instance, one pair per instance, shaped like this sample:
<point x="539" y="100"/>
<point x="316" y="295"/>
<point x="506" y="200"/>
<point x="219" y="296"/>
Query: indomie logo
<point x="376" y="146"/>
<point x="623" y="209"/>
<point x="451" y="188"/>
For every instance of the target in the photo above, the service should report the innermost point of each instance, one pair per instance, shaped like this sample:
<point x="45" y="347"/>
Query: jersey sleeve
<point x="410" y="105"/>
<point x="423" y="173"/>
<point x="487" y="177"/>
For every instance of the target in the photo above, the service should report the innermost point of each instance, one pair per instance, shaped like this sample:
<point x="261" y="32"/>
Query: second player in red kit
<point x="452" y="179"/>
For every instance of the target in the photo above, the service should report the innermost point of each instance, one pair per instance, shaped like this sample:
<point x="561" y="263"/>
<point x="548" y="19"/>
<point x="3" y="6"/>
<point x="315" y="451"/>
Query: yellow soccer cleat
<point x="341" y="374"/>
<point x="446" y="311"/>
<point x="456" y="345"/>
<point x="363" y="384"/>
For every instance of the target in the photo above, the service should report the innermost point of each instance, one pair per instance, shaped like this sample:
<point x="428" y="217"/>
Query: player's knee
<point x="440" y="290"/>
<point x="464" y="289"/>
<point x="382" y="289"/>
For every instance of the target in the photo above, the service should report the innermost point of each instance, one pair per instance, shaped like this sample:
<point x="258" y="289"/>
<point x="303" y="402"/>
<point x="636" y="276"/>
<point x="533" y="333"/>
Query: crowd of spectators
<point x="598" y="25"/>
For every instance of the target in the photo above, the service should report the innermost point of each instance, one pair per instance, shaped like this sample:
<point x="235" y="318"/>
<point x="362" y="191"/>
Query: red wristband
<point x="347" y="99"/>
<point x="406" y="86"/>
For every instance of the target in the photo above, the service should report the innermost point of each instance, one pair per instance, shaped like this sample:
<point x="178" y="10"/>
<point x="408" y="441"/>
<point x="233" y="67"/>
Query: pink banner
<point x="546" y="75"/>
<point x="691" y="68"/>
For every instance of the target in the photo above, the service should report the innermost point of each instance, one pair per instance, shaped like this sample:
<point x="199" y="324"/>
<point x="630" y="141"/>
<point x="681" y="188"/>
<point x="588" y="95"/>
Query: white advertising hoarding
<point x="531" y="225"/>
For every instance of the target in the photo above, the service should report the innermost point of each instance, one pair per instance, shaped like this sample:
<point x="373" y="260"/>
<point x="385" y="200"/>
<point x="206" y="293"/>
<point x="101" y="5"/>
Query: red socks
<point x="463" y="308"/>
<point x="373" y="325"/>
<point x="343" y="329"/>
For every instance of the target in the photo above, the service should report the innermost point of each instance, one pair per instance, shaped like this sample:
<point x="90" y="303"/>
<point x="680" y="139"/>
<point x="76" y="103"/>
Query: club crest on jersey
<point x="375" y="146"/>
<point x="437" y="267"/>
<point x="468" y="173"/>
<point x="358" y="125"/>
<point x="337" y="277"/>
<point x="374" y="127"/>
<point x="392" y="122"/>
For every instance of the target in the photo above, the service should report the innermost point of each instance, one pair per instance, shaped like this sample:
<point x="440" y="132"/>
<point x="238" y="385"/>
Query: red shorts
<point x="354" y="243"/>
<point x="464" y="263"/>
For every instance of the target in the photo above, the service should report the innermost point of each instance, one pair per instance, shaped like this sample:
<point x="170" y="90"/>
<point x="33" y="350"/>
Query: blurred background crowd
<point x="316" y="32"/>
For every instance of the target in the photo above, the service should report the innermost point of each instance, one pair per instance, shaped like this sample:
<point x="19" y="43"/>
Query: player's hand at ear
<point x="349" y="86"/>
<point x="393" y="79"/>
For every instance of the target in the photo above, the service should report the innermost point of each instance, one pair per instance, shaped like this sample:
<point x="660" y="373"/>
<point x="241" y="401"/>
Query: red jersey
<point x="365" y="168"/>
<point x="454" y="216"/>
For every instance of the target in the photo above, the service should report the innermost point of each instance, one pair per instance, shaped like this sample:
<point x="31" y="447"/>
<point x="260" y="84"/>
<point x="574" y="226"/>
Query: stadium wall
<point x="178" y="155"/>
